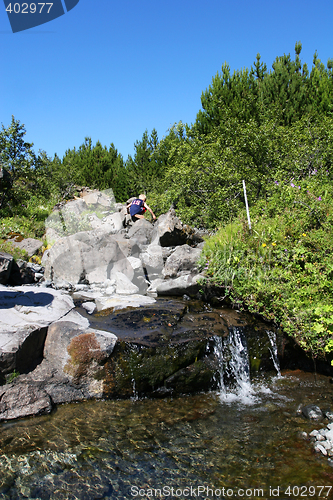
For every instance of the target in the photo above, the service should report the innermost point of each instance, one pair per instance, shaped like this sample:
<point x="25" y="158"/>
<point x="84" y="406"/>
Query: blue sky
<point x="109" y="70"/>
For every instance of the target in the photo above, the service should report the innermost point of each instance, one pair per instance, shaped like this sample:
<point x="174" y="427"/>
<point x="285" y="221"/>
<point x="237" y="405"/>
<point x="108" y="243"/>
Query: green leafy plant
<point x="11" y="376"/>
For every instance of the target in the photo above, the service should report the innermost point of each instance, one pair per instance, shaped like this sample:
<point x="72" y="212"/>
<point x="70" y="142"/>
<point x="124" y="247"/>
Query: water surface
<point x="135" y="448"/>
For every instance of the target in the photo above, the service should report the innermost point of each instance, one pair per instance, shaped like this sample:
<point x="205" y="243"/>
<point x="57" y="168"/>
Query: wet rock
<point x="193" y="378"/>
<point x="6" y="262"/>
<point x="157" y="353"/>
<point x="159" y="367"/>
<point x="153" y="319"/>
<point x="312" y="412"/>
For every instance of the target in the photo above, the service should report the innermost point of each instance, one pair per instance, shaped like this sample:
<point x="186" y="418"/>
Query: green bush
<point x="283" y="268"/>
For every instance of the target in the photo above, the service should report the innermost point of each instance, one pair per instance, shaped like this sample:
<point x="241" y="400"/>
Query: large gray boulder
<point x="99" y="199"/>
<point x="142" y="231"/>
<point x="185" y="284"/>
<point x="86" y="256"/>
<point x="78" y="355"/>
<point x="152" y="259"/>
<point x="113" y="221"/>
<point x="170" y="231"/>
<point x="184" y="258"/>
<point x="72" y="369"/>
<point x="25" y="314"/>
<point x="94" y="210"/>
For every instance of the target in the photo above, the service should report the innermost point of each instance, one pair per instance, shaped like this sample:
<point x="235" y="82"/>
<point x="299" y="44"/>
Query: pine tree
<point x="17" y="160"/>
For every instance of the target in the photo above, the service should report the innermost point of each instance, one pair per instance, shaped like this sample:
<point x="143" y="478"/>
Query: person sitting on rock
<point x="138" y="207"/>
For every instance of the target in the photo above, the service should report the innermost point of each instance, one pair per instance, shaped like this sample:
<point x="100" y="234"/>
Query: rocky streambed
<point x="113" y="312"/>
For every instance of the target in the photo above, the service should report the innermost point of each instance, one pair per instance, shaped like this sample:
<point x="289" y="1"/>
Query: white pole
<point x="247" y="206"/>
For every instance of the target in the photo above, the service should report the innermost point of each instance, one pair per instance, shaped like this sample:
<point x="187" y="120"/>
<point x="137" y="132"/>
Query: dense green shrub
<point x="283" y="268"/>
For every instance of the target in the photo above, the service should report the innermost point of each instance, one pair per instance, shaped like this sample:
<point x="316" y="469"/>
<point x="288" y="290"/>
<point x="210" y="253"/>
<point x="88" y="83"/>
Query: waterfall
<point x="218" y="352"/>
<point x="234" y="368"/>
<point x="233" y="379"/>
<point x="274" y="351"/>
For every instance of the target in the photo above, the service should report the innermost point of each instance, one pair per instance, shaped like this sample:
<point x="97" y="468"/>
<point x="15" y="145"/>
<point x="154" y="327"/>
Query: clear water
<point x="128" y="449"/>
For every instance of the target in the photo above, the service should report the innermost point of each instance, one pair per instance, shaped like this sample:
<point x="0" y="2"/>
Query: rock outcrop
<point x="140" y="253"/>
<point x="25" y="314"/>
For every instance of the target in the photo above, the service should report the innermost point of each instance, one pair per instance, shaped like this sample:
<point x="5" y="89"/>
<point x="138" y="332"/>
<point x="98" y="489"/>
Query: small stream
<point x="243" y="440"/>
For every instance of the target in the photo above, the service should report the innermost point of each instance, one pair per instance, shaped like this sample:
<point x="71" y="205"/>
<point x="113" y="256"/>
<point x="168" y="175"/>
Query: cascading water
<point x="274" y="351"/>
<point x="233" y="358"/>
<point x="234" y="368"/>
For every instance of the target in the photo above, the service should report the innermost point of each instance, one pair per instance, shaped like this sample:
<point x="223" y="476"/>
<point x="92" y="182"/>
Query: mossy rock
<point x="149" y="370"/>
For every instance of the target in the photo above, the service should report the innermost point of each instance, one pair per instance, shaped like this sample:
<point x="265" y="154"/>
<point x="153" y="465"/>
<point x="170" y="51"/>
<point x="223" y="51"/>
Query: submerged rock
<point x="312" y="412"/>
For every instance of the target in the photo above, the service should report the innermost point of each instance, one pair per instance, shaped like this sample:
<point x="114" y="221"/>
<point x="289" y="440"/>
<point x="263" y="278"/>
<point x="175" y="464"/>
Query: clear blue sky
<point x="109" y="69"/>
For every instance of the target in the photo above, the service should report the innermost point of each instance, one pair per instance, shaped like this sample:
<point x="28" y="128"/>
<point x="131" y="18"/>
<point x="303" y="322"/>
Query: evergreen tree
<point x="97" y="167"/>
<point x="17" y="160"/>
<point x="145" y="168"/>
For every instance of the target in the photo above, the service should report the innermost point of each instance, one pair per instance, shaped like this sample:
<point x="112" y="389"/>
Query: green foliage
<point x="271" y="128"/>
<point x="283" y="269"/>
<point x="94" y="166"/>
<point x="11" y="376"/>
<point x="204" y="175"/>
<point x="16" y="166"/>
<point x="17" y="253"/>
<point x="285" y="94"/>
<point x="146" y="168"/>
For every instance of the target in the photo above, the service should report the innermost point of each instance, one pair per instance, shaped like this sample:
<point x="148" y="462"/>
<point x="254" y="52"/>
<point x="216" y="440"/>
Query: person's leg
<point x="137" y="216"/>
